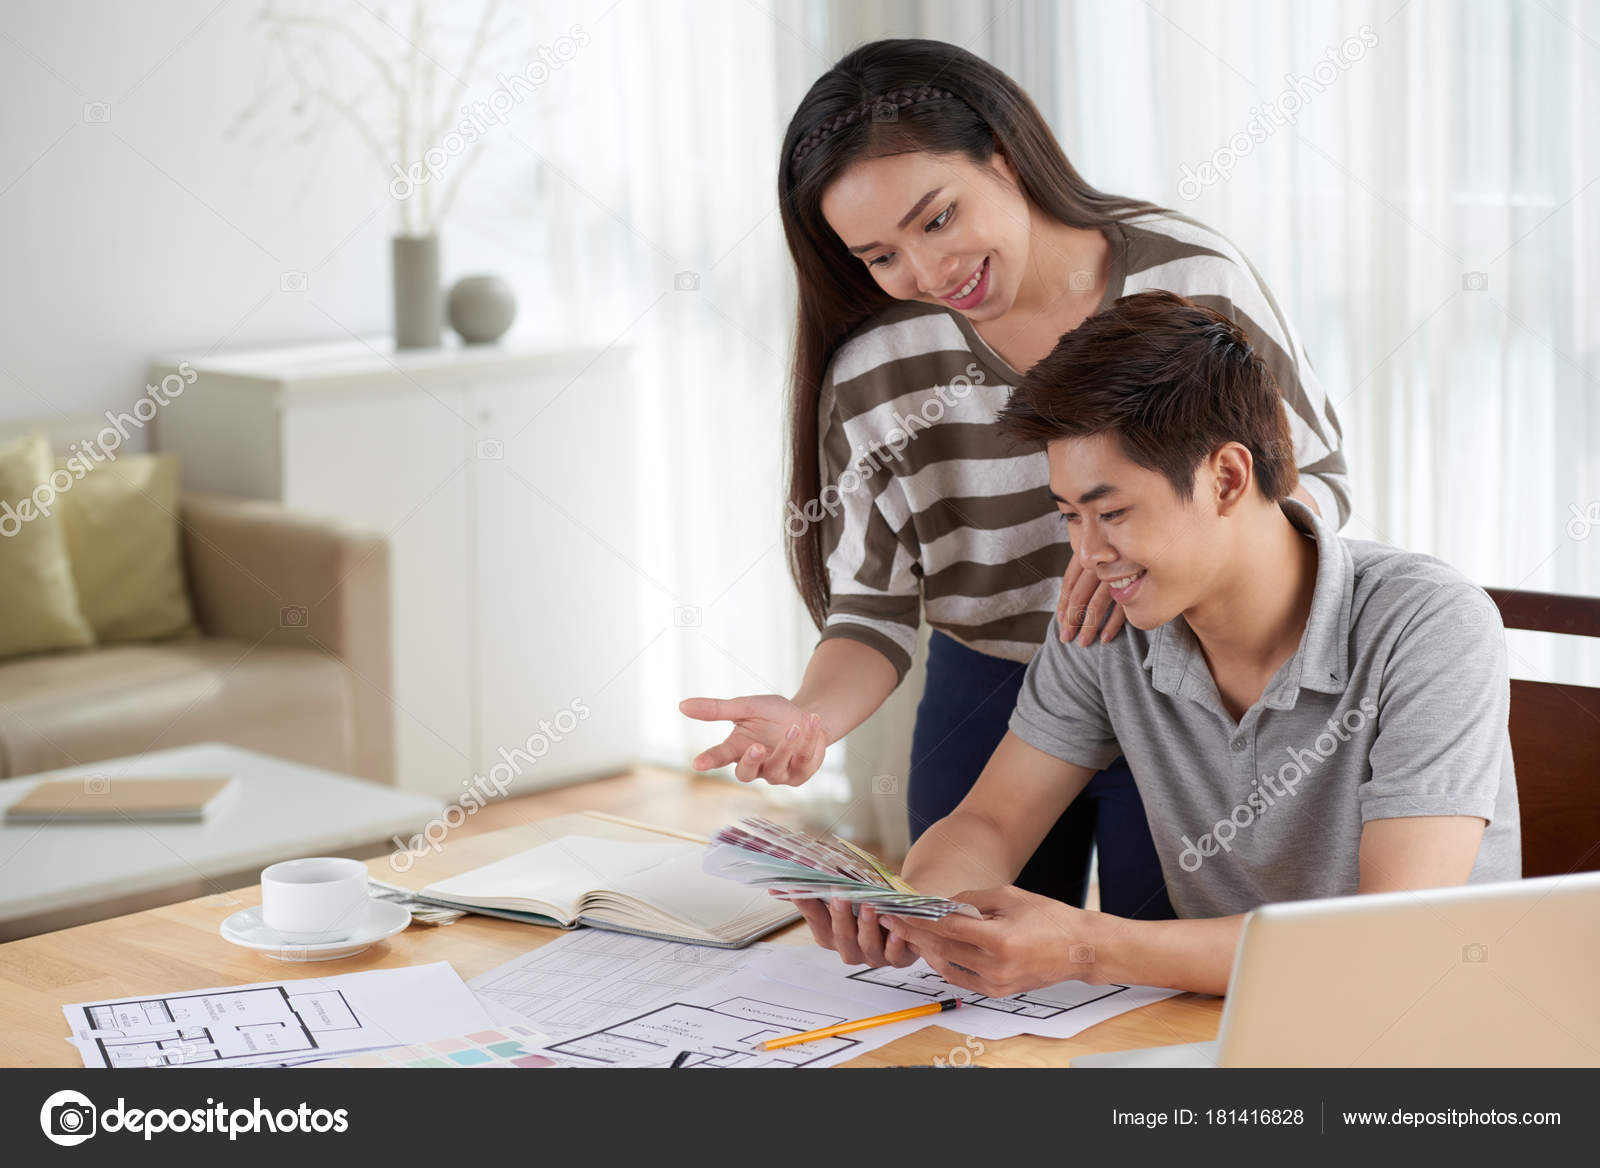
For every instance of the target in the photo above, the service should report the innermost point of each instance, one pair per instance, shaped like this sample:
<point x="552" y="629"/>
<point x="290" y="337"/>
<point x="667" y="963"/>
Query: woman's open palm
<point x="772" y="738"/>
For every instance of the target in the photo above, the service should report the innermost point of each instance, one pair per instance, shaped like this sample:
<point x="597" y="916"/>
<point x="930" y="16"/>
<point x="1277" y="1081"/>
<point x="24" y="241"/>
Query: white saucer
<point x="246" y="928"/>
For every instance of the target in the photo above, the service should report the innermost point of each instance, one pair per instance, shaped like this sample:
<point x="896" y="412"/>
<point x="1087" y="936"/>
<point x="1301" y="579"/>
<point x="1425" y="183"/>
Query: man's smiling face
<point x="1159" y="553"/>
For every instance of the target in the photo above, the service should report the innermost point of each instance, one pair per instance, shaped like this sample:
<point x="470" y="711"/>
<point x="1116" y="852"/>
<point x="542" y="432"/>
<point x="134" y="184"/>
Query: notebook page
<point x="679" y="888"/>
<point x="561" y="872"/>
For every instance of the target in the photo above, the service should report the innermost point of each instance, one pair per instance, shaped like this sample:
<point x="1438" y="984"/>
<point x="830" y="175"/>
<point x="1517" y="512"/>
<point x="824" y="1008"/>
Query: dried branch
<point x="454" y="183"/>
<point x="406" y="97"/>
<point x="323" y="93"/>
<point x="468" y="67"/>
<point x="385" y="71"/>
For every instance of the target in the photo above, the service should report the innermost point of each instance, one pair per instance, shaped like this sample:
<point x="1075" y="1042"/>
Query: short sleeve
<point x="1443" y="708"/>
<point x="1061" y="707"/>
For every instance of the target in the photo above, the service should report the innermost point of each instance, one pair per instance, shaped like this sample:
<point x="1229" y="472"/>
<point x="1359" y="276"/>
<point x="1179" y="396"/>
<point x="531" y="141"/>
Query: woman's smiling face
<point x="935" y="228"/>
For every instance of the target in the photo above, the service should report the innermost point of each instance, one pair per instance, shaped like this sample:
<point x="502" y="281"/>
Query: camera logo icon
<point x="491" y="448"/>
<point x="96" y="784"/>
<point x="885" y="785"/>
<point x="1475" y="282"/>
<point x="68" y="1118"/>
<point x="96" y="112"/>
<point x="292" y="616"/>
<point x="1082" y="280"/>
<point x="1475" y="954"/>
<point x="1584" y="521"/>
<point x="292" y="282"/>
<point x="686" y="616"/>
<point x="686" y="282"/>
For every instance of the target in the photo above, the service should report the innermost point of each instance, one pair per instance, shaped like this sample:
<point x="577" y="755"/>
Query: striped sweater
<point x="927" y="508"/>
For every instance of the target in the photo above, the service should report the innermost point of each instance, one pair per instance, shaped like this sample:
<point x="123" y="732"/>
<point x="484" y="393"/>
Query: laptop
<point x="1479" y="975"/>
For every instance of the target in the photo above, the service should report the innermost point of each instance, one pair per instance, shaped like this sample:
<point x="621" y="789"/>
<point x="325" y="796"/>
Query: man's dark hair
<point x="1172" y="380"/>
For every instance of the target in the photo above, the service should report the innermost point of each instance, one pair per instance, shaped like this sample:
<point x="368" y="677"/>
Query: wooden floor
<point x="177" y="947"/>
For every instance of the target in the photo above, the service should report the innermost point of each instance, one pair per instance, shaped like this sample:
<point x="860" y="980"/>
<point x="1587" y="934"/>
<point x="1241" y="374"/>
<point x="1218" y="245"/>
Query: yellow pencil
<point x="862" y="1024"/>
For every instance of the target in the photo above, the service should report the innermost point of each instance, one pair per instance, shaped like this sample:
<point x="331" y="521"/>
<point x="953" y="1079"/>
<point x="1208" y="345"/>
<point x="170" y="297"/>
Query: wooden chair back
<point x="1555" y="742"/>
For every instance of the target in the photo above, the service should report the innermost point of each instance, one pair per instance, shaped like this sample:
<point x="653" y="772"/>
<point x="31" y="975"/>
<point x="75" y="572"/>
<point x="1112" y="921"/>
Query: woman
<point x="943" y="244"/>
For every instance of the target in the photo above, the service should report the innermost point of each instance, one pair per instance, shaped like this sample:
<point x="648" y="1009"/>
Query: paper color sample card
<point x="794" y="865"/>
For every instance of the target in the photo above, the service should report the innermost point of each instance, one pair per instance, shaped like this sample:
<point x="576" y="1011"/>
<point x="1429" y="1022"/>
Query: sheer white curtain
<point x="709" y="91"/>
<point x="679" y="113"/>
<point x="658" y="185"/>
<point x="1428" y="220"/>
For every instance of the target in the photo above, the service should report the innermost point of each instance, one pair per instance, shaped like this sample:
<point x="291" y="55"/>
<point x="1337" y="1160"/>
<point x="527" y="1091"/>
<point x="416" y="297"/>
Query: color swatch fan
<point x="794" y="865"/>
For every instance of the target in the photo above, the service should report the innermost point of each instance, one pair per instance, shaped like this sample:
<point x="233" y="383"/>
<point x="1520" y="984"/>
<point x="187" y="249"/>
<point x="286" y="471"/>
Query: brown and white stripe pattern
<point x="961" y="523"/>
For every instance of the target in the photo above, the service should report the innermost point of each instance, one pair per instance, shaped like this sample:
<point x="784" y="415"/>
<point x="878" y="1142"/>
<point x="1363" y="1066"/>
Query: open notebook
<point x="593" y="869"/>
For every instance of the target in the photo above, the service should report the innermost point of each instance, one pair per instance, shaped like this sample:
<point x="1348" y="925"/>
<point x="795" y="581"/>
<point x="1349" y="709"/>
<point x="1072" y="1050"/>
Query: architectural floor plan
<point x="1046" y="1003"/>
<point x="1054" y="1011"/>
<point x="278" y="1022"/>
<point x="720" y="1034"/>
<point x="219" y="1026"/>
<point x="588" y="979"/>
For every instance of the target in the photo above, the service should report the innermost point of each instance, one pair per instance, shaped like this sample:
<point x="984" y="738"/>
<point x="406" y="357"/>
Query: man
<point x="1305" y="715"/>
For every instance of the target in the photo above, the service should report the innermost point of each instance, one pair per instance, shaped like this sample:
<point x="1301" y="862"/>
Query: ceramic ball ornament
<point x="481" y="308"/>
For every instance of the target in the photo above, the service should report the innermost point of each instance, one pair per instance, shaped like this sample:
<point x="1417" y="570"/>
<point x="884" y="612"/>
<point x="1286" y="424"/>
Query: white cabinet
<point x="503" y="478"/>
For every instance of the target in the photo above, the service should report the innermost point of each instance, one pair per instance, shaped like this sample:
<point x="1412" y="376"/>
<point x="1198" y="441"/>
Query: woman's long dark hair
<point x="894" y="97"/>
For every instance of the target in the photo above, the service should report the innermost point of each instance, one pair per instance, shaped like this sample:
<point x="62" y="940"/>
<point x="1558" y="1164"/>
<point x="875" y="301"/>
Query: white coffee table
<point x="56" y="875"/>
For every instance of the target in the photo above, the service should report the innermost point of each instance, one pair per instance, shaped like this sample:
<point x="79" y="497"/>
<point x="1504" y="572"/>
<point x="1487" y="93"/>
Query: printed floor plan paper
<point x="514" y="1045"/>
<point x="588" y="979"/>
<point x="277" y="1023"/>
<point x="724" y="1027"/>
<point x="1058" y="1011"/>
<point x="611" y="1000"/>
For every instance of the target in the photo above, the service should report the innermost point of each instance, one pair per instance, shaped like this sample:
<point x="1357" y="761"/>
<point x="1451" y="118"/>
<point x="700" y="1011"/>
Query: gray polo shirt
<point x="1395" y="704"/>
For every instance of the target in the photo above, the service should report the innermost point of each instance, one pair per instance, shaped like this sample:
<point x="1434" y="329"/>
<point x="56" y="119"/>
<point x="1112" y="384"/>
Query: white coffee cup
<point x="316" y="900"/>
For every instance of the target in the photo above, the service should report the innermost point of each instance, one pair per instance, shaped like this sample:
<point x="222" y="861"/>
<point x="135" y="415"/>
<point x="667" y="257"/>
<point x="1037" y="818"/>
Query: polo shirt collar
<point x="1324" y="653"/>
<point x="1321" y="663"/>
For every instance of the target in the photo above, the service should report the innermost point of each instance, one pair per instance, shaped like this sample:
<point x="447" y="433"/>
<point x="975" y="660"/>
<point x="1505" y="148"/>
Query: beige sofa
<point x="294" y="659"/>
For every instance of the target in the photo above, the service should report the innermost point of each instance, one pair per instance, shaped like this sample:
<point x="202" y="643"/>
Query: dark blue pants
<point x="964" y="713"/>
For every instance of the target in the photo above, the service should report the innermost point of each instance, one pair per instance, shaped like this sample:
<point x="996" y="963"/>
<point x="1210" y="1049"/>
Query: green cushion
<point x="126" y="548"/>
<point x="39" y="609"/>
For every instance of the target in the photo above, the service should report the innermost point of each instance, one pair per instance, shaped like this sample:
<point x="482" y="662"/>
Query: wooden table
<point x="177" y="947"/>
